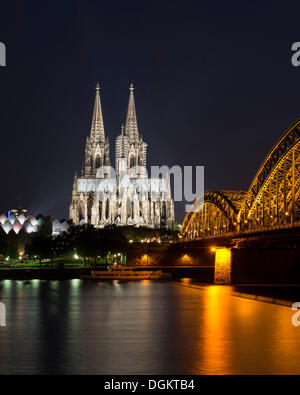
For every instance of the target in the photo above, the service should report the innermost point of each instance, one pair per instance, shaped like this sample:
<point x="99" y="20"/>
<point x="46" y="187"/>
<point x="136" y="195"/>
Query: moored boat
<point x="128" y="273"/>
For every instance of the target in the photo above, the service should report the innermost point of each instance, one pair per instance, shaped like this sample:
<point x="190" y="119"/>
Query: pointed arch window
<point x="164" y="212"/>
<point x="107" y="209"/>
<point x="89" y="210"/>
<point x="81" y="212"/>
<point x="129" y="208"/>
<point x="98" y="161"/>
<point x="100" y="211"/>
<point x="131" y="161"/>
<point x="141" y="209"/>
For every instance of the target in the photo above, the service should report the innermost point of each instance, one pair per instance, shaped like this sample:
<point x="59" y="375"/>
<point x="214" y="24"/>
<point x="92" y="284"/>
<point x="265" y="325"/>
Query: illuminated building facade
<point x="18" y="227"/>
<point x="124" y="195"/>
<point x="18" y="221"/>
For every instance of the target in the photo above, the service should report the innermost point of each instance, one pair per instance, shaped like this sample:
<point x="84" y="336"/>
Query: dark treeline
<point x="7" y="249"/>
<point x="89" y="242"/>
<point x="83" y="242"/>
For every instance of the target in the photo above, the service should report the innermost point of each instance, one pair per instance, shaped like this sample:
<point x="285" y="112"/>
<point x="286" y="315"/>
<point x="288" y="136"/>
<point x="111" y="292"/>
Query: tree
<point x="41" y="246"/>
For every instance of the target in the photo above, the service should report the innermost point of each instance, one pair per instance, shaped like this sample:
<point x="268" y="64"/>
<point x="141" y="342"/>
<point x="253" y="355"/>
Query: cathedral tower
<point x="126" y="196"/>
<point x="130" y="144"/>
<point x="97" y="146"/>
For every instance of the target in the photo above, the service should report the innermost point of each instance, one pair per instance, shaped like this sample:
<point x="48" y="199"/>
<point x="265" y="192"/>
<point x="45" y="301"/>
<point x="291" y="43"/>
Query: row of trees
<point x="84" y="241"/>
<point x="7" y="249"/>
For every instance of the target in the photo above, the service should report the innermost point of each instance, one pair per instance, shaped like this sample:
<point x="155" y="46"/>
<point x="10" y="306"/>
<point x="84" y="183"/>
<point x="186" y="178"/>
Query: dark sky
<point x="214" y="86"/>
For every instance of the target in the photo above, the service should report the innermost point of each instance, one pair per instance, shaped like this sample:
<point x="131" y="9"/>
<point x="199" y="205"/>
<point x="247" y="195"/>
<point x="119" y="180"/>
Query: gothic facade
<point x="124" y="195"/>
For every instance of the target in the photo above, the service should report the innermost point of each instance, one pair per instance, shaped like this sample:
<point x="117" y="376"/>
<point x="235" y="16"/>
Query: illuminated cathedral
<point x="123" y="195"/>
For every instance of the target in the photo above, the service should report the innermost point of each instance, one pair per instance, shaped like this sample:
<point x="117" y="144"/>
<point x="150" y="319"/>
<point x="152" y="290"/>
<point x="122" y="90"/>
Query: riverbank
<point x="269" y="293"/>
<point x="281" y="294"/>
<point x="203" y="274"/>
<point x="43" y="273"/>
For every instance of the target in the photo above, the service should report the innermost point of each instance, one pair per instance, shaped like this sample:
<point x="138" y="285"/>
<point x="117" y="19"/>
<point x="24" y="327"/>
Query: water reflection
<point x="142" y="327"/>
<point x="216" y="331"/>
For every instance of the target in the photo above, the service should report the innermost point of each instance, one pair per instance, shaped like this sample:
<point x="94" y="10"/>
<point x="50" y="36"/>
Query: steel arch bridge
<point x="272" y="200"/>
<point x="214" y="213"/>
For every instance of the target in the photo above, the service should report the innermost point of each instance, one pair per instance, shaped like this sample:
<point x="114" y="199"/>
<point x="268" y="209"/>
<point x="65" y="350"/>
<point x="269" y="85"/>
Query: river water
<point x="142" y="327"/>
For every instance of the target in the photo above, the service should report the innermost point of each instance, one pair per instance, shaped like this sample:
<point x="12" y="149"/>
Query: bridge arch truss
<point x="273" y="197"/>
<point x="214" y="213"/>
<point x="272" y="200"/>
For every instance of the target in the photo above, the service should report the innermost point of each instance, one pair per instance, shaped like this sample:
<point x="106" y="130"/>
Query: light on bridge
<point x="223" y="266"/>
<point x="186" y="259"/>
<point x="145" y="259"/>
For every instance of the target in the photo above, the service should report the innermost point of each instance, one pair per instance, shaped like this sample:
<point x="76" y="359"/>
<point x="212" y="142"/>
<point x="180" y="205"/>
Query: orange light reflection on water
<point x="216" y="341"/>
<point x="236" y="335"/>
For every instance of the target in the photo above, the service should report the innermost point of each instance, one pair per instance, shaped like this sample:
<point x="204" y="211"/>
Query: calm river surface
<point x="142" y="327"/>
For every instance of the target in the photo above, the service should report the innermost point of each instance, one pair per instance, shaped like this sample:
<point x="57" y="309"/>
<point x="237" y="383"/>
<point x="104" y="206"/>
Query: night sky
<point x="214" y="86"/>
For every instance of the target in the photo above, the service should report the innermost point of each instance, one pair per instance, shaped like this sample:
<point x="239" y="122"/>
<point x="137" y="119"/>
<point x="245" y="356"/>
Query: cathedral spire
<point x="123" y="145"/>
<point x="75" y="183"/>
<point x="131" y="128"/>
<point x="97" y="129"/>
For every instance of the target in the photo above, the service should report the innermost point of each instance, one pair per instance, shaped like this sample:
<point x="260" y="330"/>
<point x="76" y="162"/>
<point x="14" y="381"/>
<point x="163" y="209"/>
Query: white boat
<point x="127" y="273"/>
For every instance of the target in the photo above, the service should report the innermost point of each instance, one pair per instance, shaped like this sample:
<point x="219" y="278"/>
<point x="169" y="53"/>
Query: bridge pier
<point x="222" y="266"/>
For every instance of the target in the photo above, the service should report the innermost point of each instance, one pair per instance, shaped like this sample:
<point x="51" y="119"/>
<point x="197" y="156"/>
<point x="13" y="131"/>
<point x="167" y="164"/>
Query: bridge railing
<point x="244" y="232"/>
